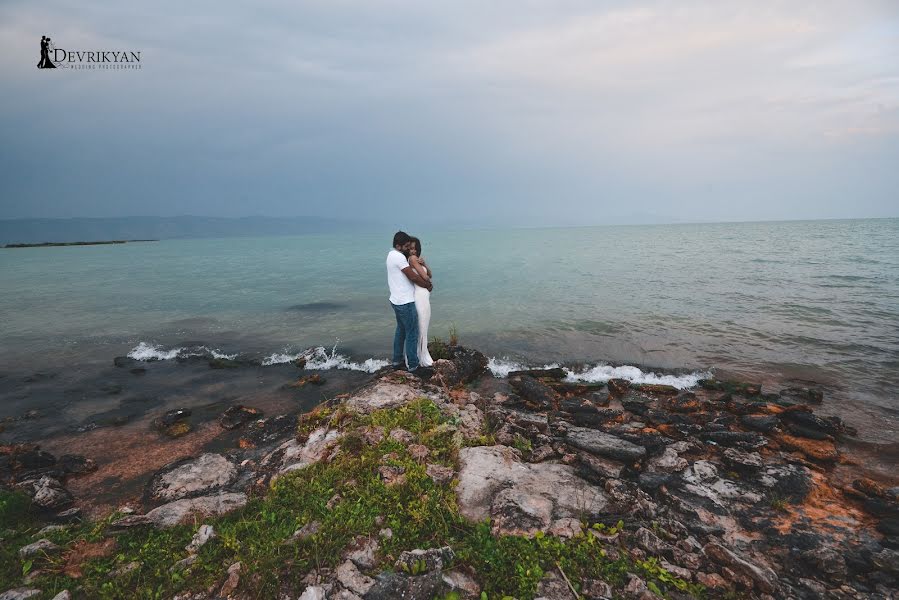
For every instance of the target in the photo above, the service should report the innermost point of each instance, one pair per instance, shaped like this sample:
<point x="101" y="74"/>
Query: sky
<point x="521" y="112"/>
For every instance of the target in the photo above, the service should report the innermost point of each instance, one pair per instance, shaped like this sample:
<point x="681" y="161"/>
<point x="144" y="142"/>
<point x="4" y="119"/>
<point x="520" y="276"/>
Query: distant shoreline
<point x="47" y="244"/>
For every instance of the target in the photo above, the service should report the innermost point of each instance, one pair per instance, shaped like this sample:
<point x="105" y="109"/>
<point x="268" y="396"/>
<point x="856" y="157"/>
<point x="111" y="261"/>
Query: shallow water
<point x="779" y="303"/>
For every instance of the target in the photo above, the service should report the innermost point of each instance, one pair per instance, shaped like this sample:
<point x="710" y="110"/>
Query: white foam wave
<point x="501" y="367"/>
<point x="149" y="352"/>
<point x="319" y="359"/>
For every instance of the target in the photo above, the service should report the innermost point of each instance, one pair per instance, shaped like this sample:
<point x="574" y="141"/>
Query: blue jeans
<point x="406" y="333"/>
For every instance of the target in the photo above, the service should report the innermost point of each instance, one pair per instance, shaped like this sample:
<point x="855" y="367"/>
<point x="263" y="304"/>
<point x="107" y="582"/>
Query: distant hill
<point x="32" y="231"/>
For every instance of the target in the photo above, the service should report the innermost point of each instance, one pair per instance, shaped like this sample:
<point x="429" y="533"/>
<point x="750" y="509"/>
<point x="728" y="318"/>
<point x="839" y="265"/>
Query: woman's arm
<point x="425" y="265"/>
<point x="420" y="268"/>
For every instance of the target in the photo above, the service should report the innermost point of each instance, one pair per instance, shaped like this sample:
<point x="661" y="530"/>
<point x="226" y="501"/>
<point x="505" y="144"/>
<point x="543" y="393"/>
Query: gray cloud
<point x="561" y="113"/>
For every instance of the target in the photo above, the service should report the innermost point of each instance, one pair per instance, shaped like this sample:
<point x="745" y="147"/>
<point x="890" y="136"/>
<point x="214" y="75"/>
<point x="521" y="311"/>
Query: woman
<point x="422" y="302"/>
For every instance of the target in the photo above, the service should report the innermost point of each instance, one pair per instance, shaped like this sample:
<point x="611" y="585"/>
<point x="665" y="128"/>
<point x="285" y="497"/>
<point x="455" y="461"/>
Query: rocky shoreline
<point x="615" y="491"/>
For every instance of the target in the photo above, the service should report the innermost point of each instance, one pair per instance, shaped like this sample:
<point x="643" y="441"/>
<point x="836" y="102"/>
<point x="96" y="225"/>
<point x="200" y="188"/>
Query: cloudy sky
<point x="522" y="111"/>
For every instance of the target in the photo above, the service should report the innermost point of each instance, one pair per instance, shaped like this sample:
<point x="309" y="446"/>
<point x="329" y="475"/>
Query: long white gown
<point x="423" y="307"/>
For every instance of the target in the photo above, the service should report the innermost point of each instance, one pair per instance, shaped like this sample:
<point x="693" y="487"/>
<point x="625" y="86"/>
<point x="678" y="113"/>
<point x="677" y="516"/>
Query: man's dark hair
<point x="400" y="238"/>
<point x="417" y="243"/>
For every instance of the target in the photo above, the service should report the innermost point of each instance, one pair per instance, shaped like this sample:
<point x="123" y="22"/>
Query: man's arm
<point x="417" y="279"/>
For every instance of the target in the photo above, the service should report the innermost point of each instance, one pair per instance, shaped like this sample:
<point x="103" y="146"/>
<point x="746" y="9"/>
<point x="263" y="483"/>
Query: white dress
<point x="423" y="307"/>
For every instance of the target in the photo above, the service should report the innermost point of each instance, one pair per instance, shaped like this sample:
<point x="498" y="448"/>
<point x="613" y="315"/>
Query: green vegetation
<point x="438" y="348"/>
<point x="347" y="498"/>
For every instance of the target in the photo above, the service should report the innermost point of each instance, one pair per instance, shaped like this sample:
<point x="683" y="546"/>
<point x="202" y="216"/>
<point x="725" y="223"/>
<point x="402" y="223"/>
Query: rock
<point x="485" y="470"/>
<point x="565" y="528"/>
<point x="713" y="581"/>
<point x="439" y="473"/>
<point x="63" y="595"/>
<point x="743" y="461"/>
<point x="173" y="423"/>
<point x="76" y="464"/>
<point x="763" y="423"/>
<point x="598" y="467"/>
<point x="420" y="561"/>
<point x="293" y="455"/>
<point x="604" y="444"/>
<point x="48" y="494"/>
<point x="763" y="578"/>
<point x="418" y="452"/>
<point x="459" y="580"/>
<point x="818" y="450"/>
<point x="790" y="482"/>
<point x="70" y="515"/>
<point x="554" y="373"/>
<point x="362" y="551"/>
<point x="401" y="435"/>
<point x="313" y="592"/>
<point x="184" y="563"/>
<point x="383" y="393"/>
<point x="803" y="395"/>
<point x="618" y="386"/>
<point x="685" y="574"/>
<point x="231" y="581"/>
<point x="651" y="543"/>
<point x="654" y="481"/>
<point x="470" y="364"/>
<point x="125" y="569"/>
<point x="349" y="577"/>
<point x="124" y="362"/>
<point x="553" y="587"/>
<point x="50" y="529"/>
<point x="20" y="594"/>
<point x="39" y="548"/>
<point x="596" y="589"/>
<point x="826" y="561"/>
<point x="536" y="394"/>
<point x="203" y="535"/>
<point x="237" y="415"/>
<point x="30" y="459"/>
<point x="667" y="462"/>
<point x="659" y="389"/>
<point x="810" y="425"/>
<point x="191" y="477"/>
<point x="306" y="531"/>
<point x="635" y="586"/>
<point x="173" y="513"/>
<point x="392" y="475"/>
<point x="266" y="431"/>
<point x="520" y="512"/>
<point x="734" y="438"/>
<point x="888" y="560"/>
<point x="394" y="586"/>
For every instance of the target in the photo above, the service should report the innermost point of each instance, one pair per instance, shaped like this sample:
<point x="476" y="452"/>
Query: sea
<point x="809" y="303"/>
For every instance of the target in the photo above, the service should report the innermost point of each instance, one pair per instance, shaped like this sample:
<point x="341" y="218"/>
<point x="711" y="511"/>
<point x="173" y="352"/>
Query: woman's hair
<point x="417" y="243"/>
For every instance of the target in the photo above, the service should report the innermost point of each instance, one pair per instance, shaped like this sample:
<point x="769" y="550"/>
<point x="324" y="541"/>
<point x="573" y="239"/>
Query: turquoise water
<point x="781" y="302"/>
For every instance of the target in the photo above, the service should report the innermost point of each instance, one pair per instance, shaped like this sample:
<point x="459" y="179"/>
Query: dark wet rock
<point x="685" y="403"/>
<point x="810" y="425"/>
<point x="191" y="477"/>
<point x="763" y="423"/>
<point x="223" y="363"/>
<point x="125" y="362"/>
<point x="604" y="444"/>
<point x="762" y="577"/>
<point x="596" y="418"/>
<point x="657" y="389"/>
<point x="734" y="438"/>
<point x="827" y="562"/>
<point x="653" y="481"/>
<point x="76" y="464"/>
<point x="803" y="395"/>
<point x="174" y="422"/>
<point x="889" y="526"/>
<point x="237" y="415"/>
<point x="269" y="430"/>
<point x="28" y="458"/>
<point x="637" y="404"/>
<point x="391" y="586"/>
<point x="536" y="394"/>
<point x="470" y="364"/>
<point x="556" y="373"/>
<point x="618" y="386"/>
<point x="888" y="560"/>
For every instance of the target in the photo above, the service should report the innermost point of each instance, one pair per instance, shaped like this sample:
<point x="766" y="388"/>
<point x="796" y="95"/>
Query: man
<point x="401" y="279"/>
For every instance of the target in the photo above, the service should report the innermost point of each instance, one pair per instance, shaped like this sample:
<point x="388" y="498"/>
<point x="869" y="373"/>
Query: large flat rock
<point x="604" y="444"/>
<point x="192" y="477"/>
<point x="522" y="497"/>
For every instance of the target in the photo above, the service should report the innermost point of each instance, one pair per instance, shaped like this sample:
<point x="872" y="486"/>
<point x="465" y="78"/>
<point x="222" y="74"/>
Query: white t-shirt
<point x="402" y="291"/>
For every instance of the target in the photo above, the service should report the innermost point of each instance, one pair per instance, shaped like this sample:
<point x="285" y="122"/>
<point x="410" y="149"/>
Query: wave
<point x="501" y="367"/>
<point x="319" y="359"/>
<point x="150" y="352"/>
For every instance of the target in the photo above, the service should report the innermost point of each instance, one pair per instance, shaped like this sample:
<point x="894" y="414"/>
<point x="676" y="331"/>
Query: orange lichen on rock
<point x="820" y="450"/>
<point x="825" y="506"/>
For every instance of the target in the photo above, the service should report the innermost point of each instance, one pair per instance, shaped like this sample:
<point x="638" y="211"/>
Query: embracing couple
<point x="409" y="280"/>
